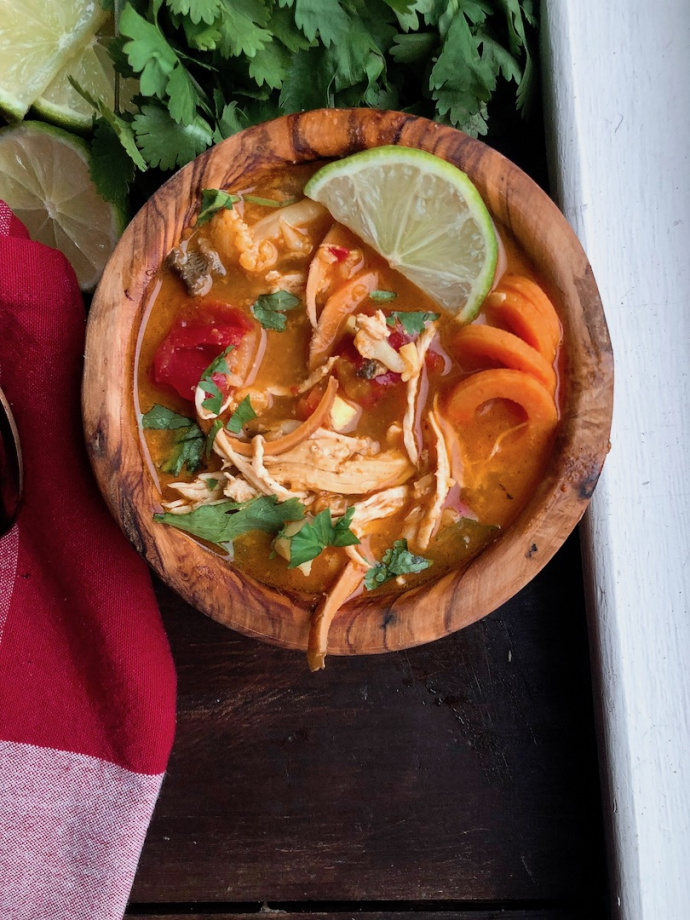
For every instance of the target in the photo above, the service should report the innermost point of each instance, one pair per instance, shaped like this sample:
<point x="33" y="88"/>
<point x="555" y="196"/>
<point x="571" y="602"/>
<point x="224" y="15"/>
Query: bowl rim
<point x="367" y="624"/>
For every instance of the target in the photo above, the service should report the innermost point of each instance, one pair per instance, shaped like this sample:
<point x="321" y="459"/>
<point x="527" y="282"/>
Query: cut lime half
<point x="422" y="214"/>
<point x="37" y="37"/>
<point x="44" y="178"/>
<point x="92" y="68"/>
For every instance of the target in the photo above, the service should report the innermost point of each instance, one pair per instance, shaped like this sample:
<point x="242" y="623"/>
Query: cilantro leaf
<point x="382" y="296"/>
<point x="211" y="436"/>
<point x="242" y="414"/>
<point x="187" y="450"/>
<point x="212" y="201"/>
<point x="413" y="323"/>
<point x="314" y="537"/>
<point x="197" y="10"/>
<point x="214" y="397"/>
<point x="111" y="167"/>
<point x="270" y="309"/>
<point x="167" y="144"/>
<point x="397" y="560"/>
<point x="161" y="418"/>
<point x="224" y="522"/>
<point x="328" y="20"/>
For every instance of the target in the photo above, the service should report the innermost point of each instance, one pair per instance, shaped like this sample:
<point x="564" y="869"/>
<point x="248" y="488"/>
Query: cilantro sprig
<point x="413" y="323"/>
<point x="214" y="395"/>
<point x="243" y="413"/>
<point x="188" y="445"/>
<point x="226" y="521"/>
<point x="270" y="309"/>
<point x="397" y="560"/>
<point x="313" y="537"/>
<point x="208" y="68"/>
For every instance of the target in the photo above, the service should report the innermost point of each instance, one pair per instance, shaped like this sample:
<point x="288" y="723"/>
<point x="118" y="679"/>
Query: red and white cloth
<point x="87" y="683"/>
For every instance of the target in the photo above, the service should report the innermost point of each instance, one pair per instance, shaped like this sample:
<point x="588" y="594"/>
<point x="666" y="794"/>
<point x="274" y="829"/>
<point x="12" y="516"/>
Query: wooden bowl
<point x="367" y="624"/>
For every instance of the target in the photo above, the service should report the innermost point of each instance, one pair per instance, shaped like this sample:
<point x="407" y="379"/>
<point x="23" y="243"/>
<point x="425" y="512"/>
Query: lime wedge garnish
<point x="38" y="37"/>
<point x="92" y="68"/>
<point x="44" y="178"/>
<point x="422" y="214"/>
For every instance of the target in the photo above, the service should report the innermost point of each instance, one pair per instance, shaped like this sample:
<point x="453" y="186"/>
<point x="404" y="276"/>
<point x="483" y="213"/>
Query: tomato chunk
<point x="195" y="339"/>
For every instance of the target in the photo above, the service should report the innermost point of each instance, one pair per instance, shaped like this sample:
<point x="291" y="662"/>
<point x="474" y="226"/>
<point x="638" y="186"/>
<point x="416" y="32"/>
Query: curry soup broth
<point x="499" y="455"/>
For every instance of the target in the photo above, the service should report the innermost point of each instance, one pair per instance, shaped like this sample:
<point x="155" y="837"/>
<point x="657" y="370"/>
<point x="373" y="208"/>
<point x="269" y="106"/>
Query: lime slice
<point x="422" y="214"/>
<point x="93" y="70"/>
<point x="36" y="39"/>
<point x="44" y="178"/>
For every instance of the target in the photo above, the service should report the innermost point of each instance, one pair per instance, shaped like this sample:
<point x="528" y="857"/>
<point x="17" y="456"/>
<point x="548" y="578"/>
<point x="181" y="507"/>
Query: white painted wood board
<point x="617" y="97"/>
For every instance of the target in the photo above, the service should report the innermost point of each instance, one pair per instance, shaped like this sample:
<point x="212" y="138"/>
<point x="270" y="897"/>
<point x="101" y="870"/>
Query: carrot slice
<point x="506" y="307"/>
<point x="501" y="383"/>
<point x="474" y="343"/>
<point x="346" y="584"/>
<point x="293" y="438"/>
<point x="336" y="310"/>
<point x="531" y="291"/>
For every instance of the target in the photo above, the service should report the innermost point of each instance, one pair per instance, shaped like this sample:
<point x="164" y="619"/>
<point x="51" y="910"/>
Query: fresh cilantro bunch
<point x="208" y="68"/>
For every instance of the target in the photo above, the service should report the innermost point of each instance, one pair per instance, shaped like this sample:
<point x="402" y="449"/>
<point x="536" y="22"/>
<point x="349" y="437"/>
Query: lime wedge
<point x="420" y="213"/>
<point x="36" y="39"/>
<point x="93" y="70"/>
<point x="44" y="178"/>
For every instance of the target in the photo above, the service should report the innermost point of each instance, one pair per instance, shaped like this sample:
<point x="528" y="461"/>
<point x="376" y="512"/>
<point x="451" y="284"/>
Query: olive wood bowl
<point x="367" y="624"/>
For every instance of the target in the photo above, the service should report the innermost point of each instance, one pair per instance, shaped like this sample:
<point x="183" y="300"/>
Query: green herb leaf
<point x="269" y="309"/>
<point x="412" y="323"/>
<point x="211" y="436"/>
<point x="165" y="143"/>
<point x="187" y="450"/>
<point x="161" y="418"/>
<point x="242" y="414"/>
<point x="397" y="560"/>
<point x="382" y="296"/>
<point x="314" y="537"/>
<point x="212" y="201"/>
<point x="224" y="522"/>
<point x="214" y="397"/>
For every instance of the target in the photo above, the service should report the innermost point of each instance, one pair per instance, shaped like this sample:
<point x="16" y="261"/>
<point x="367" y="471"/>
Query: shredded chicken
<point x="377" y="506"/>
<point x="206" y="489"/>
<point x="409" y="436"/>
<point x="357" y="476"/>
<point x="444" y="482"/>
<point x="315" y="377"/>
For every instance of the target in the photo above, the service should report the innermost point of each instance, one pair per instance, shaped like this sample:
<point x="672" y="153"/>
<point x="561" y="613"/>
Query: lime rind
<point x="421" y="213"/>
<point x="44" y="178"/>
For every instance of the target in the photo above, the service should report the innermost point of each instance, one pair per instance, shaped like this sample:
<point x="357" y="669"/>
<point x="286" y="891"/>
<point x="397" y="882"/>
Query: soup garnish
<point x="323" y="421"/>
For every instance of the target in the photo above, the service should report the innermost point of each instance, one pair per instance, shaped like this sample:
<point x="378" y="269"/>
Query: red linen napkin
<point x="87" y="684"/>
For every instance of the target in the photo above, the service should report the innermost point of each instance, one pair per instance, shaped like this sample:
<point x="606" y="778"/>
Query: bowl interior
<point x="366" y="625"/>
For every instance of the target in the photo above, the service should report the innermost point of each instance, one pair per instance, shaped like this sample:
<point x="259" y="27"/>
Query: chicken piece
<point x="292" y="281"/>
<point x="252" y="470"/>
<point x="281" y="221"/>
<point x="444" y="482"/>
<point x="371" y="340"/>
<point x="409" y="437"/>
<point x="206" y="489"/>
<point x="377" y="506"/>
<point x="337" y="259"/>
<point x="357" y="476"/>
<point x="238" y="489"/>
<point x="315" y="377"/>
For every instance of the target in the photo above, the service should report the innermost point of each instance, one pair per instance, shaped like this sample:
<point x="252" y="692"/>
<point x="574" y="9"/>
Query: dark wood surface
<point x="460" y="774"/>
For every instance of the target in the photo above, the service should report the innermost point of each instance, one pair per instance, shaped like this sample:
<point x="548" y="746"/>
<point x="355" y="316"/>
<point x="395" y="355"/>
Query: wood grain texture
<point x="460" y="770"/>
<point x="364" y="625"/>
<point x="618" y="101"/>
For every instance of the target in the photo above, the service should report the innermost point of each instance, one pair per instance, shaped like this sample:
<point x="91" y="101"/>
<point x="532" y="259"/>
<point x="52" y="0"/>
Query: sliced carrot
<point x="336" y="310"/>
<point x="508" y="308"/>
<point x="346" y="584"/>
<point x="531" y="291"/>
<point x="501" y="383"/>
<point x="474" y="343"/>
<point x="293" y="438"/>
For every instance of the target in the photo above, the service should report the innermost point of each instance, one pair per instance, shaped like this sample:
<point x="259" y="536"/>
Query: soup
<point x="314" y="416"/>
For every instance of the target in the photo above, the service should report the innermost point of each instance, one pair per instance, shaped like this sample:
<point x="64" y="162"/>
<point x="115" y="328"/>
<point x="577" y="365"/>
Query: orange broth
<point x="499" y="455"/>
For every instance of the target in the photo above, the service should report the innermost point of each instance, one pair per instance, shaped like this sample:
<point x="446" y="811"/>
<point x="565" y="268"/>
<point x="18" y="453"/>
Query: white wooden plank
<point x="617" y="93"/>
